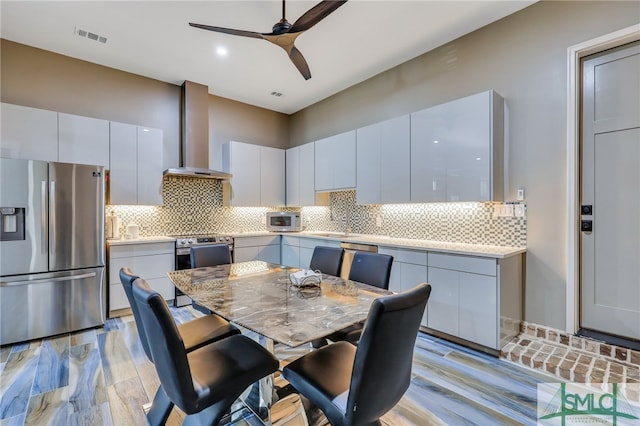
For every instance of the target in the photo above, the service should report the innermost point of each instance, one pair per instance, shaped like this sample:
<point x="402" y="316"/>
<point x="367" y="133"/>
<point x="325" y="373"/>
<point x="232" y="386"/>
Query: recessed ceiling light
<point x="436" y="141"/>
<point x="478" y="158"/>
<point x="222" y="51"/>
<point x="145" y="130"/>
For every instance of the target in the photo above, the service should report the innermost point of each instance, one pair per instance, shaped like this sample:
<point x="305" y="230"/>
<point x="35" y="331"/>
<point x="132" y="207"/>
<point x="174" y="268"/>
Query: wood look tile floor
<point x="102" y="377"/>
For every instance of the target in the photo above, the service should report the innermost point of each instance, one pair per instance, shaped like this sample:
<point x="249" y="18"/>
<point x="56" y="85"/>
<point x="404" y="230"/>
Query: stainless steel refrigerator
<point x="52" y="249"/>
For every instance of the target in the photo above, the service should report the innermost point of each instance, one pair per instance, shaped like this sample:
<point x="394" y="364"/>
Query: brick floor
<point x="576" y="359"/>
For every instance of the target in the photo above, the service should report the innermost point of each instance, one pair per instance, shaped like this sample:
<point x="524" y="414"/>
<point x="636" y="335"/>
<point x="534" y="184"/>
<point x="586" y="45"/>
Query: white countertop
<point x="141" y="240"/>
<point x="498" y="252"/>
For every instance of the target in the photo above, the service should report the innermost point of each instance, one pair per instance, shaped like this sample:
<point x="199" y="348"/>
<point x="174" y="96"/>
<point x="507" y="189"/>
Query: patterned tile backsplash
<point x="194" y="206"/>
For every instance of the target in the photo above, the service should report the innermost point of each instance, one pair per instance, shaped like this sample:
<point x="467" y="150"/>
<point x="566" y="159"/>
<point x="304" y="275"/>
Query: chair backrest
<point x="371" y="268"/>
<point x="167" y="347"/>
<point x="213" y="255"/>
<point x="382" y="365"/>
<point x="327" y="260"/>
<point x="127" y="277"/>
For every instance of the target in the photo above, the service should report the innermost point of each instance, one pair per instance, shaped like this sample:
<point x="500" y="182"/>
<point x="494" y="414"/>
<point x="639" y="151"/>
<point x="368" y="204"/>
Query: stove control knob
<point x="228" y="239"/>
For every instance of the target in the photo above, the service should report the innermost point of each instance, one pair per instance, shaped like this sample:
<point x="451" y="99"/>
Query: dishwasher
<point x="350" y="250"/>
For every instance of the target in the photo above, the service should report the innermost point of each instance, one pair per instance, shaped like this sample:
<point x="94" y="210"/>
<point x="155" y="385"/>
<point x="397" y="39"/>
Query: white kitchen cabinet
<point x="258" y="175"/>
<point x="457" y="150"/>
<point x="136" y="165"/>
<point x="150" y="261"/>
<point x="476" y="299"/>
<point x="83" y="140"/>
<point x="266" y="248"/>
<point x="290" y="251"/>
<point x="28" y="133"/>
<point x="409" y="268"/>
<point x="335" y="162"/>
<point x="300" y="176"/>
<point x="383" y="162"/>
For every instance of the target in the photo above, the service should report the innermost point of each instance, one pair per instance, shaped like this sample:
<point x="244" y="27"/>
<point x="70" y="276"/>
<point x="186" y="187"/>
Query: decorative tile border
<point x="195" y="206"/>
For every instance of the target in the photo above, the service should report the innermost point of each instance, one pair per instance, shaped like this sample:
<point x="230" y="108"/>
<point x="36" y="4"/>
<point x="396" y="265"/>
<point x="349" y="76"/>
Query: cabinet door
<point x="478" y="312"/>
<point x="28" y="133"/>
<point x="272" y="177"/>
<point x="245" y="254"/>
<point x="411" y="276"/>
<point x="292" y="161"/>
<point x="323" y="165"/>
<point x="368" y="164"/>
<point x="442" y="314"/>
<point x="395" y="160"/>
<point x="150" y="167"/>
<point x="243" y="161"/>
<point x="305" y="257"/>
<point x="468" y="158"/>
<point x="123" y="177"/>
<point x="306" y="175"/>
<point x="429" y="140"/>
<point x="83" y="140"/>
<point x="270" y="254"/>
<point x="344" y="160"/>
<point x="290" y="256"/>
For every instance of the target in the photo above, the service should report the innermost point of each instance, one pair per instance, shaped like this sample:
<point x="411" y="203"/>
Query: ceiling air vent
<point x="276" y="94"/>
<point x="92" y="36"/>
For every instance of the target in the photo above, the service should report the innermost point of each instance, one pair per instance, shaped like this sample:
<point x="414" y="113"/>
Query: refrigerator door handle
<point x="43" y="218"/>
<point x="48" y="280"/>
<point x="52" y="213"/>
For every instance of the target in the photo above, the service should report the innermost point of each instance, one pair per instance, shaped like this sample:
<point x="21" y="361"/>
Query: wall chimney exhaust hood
<point x="194" y="144"/>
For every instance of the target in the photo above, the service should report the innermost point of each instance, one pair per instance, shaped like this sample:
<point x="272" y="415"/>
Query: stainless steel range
<point x="183" y="255"/>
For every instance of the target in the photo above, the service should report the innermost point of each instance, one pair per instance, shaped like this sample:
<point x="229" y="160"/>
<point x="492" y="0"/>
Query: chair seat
<point x="226" y="367"/>
<point x="323" y="376"/>
<point x="204" y="330"/>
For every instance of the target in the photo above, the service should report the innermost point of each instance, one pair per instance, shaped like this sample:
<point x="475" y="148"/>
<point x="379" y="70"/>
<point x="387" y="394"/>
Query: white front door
<point x="610" y="185"/>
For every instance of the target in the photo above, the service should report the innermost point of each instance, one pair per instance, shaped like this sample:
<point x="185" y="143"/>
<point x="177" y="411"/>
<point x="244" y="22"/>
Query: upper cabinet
<point x="28" y="133"/>
<point x="335" y="162"/>
<point x="383" y="162"/>
<point x="136" y="165"/>
<point x="258" y="175"/>
<point x="83" y="140"/>
<point x="457" y="150"/>
<point x="300" y="167"/>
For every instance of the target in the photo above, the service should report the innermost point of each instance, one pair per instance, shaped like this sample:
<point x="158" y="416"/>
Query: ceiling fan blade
<point x="316" y="14"/>
<point x="227" y="30"/>
<point x="300" y="63"/>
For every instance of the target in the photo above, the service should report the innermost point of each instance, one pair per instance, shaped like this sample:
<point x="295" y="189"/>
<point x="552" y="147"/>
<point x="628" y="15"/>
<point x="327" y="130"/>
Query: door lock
<point x="586" y="225"/>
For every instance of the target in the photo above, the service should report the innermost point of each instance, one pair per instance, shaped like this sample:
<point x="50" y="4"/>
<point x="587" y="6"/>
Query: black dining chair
<point x="356" y="385"/>
<point x="327" y="260"/>
<point x="195" y="334"/>
<point x="203" y="383"/>
<point x="209" y="255"/>
<point x="368" y="268"/>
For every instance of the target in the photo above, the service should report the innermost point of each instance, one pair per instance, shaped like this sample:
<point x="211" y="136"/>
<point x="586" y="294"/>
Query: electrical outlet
<point x="497" y="211"/>
<point x="379" y="221"/>
<point x="519" y="210"/>
<point x="508" y="210"/>
<point x="520" y="195"/>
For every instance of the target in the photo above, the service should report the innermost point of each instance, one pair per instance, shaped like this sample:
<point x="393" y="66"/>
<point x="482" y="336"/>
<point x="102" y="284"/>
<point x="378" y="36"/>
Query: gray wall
<point x="523" y="57"/>
<point x="42" y="79"/>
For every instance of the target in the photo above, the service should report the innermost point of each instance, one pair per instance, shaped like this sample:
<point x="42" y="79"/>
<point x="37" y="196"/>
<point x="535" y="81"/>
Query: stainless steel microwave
<point x="284" y="222"/>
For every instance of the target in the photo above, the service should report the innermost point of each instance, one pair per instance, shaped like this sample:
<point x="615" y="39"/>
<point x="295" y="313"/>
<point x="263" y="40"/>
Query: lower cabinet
<point x="150" y="261"/>
<point x="476" y="299"/>
<point x="409" y="268"/>
<point x="265" y="248"/>
<point x="290" y="251"/>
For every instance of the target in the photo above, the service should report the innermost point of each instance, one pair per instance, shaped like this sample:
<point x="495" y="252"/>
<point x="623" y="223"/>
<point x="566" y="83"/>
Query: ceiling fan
<point x="284" y="34"/>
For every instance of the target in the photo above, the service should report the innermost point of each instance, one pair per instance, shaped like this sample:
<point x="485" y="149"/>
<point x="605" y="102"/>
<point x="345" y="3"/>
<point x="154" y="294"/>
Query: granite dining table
<point x="259" y="296"/>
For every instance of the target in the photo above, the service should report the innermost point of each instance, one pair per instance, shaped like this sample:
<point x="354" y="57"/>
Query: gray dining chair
<point x="327" y="260"/>
<point x="194" y="334"/>
<point x="368" y="268"/>
<point x="203" y="383"/>
<point x="356" y="385"/>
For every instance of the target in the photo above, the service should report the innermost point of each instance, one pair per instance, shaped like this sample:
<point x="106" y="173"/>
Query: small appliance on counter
<point x="113" y="224"/>
<point x="284" y="222"/>
<point x="133" y="231"/>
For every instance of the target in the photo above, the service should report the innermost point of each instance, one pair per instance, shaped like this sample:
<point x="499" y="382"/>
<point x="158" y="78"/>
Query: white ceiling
<point x="153" y="39"/>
